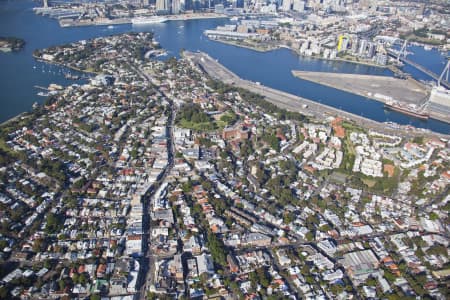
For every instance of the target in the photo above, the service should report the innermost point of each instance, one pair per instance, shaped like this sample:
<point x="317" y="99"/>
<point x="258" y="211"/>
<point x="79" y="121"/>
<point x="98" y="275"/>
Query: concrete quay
<point x="120" y="21"/>
<point x="195" y="16"/>
<point x="379" y="88"/>
<point x="295" y="103"/>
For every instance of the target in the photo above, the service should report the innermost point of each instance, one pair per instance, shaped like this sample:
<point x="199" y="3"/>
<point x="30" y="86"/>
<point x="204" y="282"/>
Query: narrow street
<point x="147" y="271"/>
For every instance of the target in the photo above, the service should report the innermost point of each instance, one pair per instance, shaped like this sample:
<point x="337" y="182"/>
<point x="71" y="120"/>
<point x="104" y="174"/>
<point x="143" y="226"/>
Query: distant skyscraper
<point x="160" y="4"/>
<point x="247" y="4"/>
<point x="344" y="45"/>
<point x="196" y="5"/>
<point x="286" y="5"/>
<point x="187" y="4"/>
<point x="371" y="50"/>
<point x="355" y="45"/>
<point x="45" y="3"/>
<point x="176" y="6"/>
<point x="362" y="47"/>
<point x="299" y="5"/>
<point x="219" y="9"/>
<point x="163" y="6"/>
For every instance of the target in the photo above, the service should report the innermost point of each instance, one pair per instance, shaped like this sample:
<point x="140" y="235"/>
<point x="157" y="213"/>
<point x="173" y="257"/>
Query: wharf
<point x="119" y="21"/>
<point x="95" y="22"/>
<point x="195" y="16"/>
<point x="246" y="46"/>
<point x="41" y="87"/>
<point x="379" y="88"/>
<point x="295" y="103"/>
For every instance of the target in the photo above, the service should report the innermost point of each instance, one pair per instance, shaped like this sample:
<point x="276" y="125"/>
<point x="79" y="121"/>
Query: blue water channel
<point x="20" y="73"/>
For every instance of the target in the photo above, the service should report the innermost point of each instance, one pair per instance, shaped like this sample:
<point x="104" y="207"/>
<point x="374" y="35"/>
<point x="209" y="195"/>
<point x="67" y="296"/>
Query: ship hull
<point x="144" y="21"/>
<point x="407" y="112"/>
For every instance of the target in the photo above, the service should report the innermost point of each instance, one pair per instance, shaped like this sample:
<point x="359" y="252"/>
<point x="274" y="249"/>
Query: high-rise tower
<point x="163" y="6"/>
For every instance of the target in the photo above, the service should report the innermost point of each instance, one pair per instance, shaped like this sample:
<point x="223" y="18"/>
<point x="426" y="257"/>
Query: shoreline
<point x="24" y="113"/>
<point x="12" y="119"/>
<point x="122" y="21"/>
<point x="338" y="59"/>
<point x="64" y="65"/>
<point x="364" y="63"/>
<point x="231" y="43"/>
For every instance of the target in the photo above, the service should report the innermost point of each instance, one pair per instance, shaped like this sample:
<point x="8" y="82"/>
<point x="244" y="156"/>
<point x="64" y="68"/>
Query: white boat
<point x="148" y="20"/>
<point x="110" y="27"/>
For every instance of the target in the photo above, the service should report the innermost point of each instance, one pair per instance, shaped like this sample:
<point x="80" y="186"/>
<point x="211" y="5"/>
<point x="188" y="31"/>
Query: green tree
<point x="217" y="249"/>
<point x="54" y="223"/>
<point x="263" y="277"/>
<point x="62" y="285"/>
<point x="4" y="292"/>
<point x="95" y="297"/>
<point x="433" y="216"/>
<point x="273" y="141"/>
<point x="309" y="236"/>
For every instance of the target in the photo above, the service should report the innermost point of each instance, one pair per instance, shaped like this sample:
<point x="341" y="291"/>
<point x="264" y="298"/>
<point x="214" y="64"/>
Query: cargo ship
<point x="148" y="20"/>
<point x="407" y="109"/>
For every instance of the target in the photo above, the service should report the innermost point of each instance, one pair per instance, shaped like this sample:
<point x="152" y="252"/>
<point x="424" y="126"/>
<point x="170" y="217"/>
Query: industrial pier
<point x="380" y="88"/>
<point x="411" y="94"/>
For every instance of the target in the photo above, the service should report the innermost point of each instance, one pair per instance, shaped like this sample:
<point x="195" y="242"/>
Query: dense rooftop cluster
<point x="358" y="31"/>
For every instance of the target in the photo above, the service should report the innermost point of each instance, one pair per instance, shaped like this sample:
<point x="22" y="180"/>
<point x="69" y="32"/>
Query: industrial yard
<point x="380" y="88"/>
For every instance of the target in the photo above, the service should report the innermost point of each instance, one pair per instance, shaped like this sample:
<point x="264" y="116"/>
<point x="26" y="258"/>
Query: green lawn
<point x="369" y="182"/>
<point x="205" y="126"/>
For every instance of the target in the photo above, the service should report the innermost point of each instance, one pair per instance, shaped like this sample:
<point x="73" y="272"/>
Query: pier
<point x="379" y="88"/>
<point x="41" y="87"/>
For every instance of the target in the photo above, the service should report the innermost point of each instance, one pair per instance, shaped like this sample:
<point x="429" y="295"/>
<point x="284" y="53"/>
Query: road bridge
<point x="419" y="67"/>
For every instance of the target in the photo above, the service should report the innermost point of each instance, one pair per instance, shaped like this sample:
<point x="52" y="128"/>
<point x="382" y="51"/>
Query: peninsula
<point x="11" y="44"/>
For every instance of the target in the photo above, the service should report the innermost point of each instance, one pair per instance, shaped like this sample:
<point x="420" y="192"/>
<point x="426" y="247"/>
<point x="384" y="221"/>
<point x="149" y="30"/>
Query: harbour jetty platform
<point x="379" y="88"/>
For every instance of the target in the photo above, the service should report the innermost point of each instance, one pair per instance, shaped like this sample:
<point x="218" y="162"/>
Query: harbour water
<point x="19" y="72"/>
